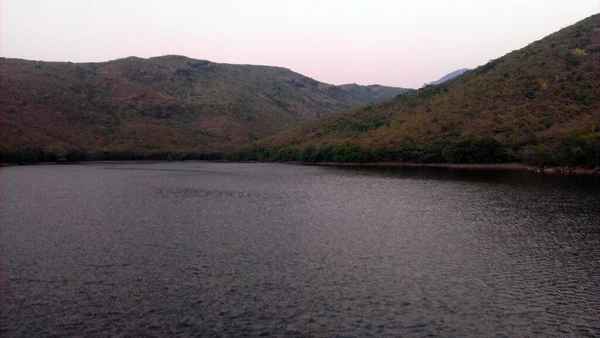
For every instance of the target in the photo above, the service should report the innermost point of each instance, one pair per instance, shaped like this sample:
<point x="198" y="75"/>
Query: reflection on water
<point x="269" y="249"/>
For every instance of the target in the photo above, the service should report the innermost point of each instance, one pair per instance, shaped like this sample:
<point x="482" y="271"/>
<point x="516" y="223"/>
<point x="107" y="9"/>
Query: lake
<point x="224" y="249"/>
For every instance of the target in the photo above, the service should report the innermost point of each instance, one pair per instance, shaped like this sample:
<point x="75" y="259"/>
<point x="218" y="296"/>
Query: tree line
<point x="575" y="150"/>
<point x="583" y="150"/>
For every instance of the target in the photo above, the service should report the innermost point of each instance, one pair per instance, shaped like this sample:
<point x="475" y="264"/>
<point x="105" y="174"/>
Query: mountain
<point x="538" y="105"/>
<point x="136" y="106"/>
<point x="448" y="76"/>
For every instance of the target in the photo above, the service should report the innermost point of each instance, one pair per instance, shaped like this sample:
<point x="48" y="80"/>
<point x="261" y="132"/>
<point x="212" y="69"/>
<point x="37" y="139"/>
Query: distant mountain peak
<point x="448" y="76"/>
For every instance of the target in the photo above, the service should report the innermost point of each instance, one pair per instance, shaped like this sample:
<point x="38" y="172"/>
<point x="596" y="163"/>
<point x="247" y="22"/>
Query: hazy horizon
<point x="396" y="43"/>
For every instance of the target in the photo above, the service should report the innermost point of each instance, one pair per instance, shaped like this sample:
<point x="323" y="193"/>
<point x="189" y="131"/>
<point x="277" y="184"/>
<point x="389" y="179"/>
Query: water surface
<point x="218" y="249"/>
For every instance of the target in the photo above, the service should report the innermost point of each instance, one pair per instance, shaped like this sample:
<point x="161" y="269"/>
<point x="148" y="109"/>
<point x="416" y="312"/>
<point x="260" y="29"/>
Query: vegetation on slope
<point x="157" y="108"/>
<point x="538" y="105"/>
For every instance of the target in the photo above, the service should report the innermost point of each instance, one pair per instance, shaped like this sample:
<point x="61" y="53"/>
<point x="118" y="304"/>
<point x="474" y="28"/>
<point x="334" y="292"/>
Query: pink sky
<point x="390" y="42"/>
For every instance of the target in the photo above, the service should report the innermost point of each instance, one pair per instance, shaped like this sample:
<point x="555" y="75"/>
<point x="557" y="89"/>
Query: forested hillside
<point x="538" y="105"/>
<point x="169" y="106"/>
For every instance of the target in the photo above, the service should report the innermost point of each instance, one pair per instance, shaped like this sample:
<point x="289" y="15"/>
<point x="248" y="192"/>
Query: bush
<point x="581" y="150"/>
<point x="473" y="150"/>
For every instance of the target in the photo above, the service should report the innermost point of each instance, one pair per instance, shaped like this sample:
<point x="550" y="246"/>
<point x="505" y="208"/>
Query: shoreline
<point x="515" y="166"/>
<point x="103" y="162"/>
<point x="474" y="166"/>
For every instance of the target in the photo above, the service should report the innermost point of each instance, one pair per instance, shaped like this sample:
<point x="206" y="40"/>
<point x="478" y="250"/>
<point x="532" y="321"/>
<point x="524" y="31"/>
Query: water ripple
<point x="216" y="249"/>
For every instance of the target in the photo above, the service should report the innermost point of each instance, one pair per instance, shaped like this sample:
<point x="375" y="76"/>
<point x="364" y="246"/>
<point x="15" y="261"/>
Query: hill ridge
<point x="161" y="104"/>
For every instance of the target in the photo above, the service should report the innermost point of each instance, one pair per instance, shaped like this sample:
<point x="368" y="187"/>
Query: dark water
<point x="209" y="249"/>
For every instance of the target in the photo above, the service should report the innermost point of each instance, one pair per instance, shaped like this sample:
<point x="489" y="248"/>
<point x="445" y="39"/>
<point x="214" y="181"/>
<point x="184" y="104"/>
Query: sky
<point x="390" y="42"/>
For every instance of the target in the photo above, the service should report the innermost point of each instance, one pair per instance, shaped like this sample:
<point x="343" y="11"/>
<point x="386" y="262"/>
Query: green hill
<point x="148" y="108"/>
<point x="538" y="105"/>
